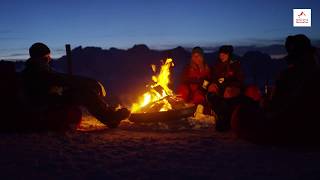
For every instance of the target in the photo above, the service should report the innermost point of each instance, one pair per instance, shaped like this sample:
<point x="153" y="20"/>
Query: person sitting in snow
<point x="193" y="77"/>
<point x="53" y="97"/>
<point x="292" y="113"/>
<point x="227" y="84"/>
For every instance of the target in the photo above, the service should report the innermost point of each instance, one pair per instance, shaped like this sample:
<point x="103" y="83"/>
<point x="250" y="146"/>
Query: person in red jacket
<point x="227" y="75"/>
<point x="195" y="74"/>
<point x="226" y="86"/>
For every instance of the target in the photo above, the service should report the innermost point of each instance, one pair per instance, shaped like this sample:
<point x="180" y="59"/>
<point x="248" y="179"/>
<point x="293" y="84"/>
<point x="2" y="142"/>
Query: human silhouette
<point x="292" y="113"/>
<point x="50" y="95"/>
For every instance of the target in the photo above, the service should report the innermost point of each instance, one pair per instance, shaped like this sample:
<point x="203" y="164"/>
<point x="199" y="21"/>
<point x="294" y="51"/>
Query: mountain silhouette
<point x="123" y="72"/>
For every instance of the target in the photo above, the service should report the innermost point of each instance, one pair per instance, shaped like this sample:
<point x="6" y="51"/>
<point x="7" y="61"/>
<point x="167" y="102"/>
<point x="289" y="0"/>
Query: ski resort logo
<point x="301" y="17"/>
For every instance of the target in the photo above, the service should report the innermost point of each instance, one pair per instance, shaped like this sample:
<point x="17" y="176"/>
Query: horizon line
<point x="59" y="52"/>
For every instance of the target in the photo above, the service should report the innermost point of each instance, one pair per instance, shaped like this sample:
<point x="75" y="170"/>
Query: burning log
<point x="164" y="116"/>
<point x="174" y="101"/>
<point x="158" y="90"/>
<point x="155" y="106"/>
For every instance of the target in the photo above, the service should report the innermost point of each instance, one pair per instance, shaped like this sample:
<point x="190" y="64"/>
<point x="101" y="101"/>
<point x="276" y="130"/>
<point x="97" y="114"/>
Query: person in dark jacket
<point x="193" y="77"/>
<point x="292" y="113"/>
<point x="227" y="83"/>
<point x="227" y="74"/>
<point x="50" y="94"/>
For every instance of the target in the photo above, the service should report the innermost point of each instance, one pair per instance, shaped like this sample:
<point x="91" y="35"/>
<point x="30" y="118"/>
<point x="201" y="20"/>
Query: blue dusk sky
<point x="160" y="24"/>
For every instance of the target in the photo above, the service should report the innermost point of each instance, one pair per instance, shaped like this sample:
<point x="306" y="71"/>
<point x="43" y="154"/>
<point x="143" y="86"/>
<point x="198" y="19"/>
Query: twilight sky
<point x="158" y="23"/>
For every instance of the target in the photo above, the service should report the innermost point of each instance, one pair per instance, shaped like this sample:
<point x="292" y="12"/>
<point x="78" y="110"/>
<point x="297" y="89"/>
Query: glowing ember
<point x="159" y="90"/>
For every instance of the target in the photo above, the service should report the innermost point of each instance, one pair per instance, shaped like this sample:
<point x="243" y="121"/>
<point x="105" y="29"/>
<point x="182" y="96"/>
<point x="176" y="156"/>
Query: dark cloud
<point x="266" y="41"/>
<point x="16" y="55"/>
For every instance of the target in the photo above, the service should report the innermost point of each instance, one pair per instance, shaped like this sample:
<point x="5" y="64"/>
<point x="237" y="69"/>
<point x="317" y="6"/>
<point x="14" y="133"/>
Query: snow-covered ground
<point x="141" y="153"/>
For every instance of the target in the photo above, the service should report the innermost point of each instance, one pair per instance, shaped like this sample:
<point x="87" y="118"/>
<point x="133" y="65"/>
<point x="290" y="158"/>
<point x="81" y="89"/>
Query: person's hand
<point x="221" y="80"/>
<point x="213" y="88"/>
<point x="205" y="84"/>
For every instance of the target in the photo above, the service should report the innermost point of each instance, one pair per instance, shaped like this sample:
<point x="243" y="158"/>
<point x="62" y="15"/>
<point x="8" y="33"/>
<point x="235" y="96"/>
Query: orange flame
<point x="161" y="80"/>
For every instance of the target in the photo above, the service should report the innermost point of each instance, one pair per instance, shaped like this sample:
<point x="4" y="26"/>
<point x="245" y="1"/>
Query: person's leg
<point x="231" y="92"/>
<point x="228" y="106"/>
<point x="90" y="94"/>
<point x="76" y="83"/>
<point x="245" y="117"/>
<point x="198" y="97"/>
<point x="219" y="106"/>
<point x="224" y="105"/>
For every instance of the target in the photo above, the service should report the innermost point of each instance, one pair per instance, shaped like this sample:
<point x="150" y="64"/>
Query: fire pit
<point x="178" y="112"/>
<point x="159" y="104"/>
<point x="165" y="116"/>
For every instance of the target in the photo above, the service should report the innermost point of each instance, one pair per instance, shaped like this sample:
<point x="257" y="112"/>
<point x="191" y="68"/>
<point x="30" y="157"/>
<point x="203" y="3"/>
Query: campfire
<point x="158" y="107"/>
<point x="156" y="98"/>
<point x="159" y="101"/>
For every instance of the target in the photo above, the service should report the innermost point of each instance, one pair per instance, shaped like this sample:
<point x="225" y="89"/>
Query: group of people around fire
<point x="286" y="114"/>
<point x="213" y="87"/>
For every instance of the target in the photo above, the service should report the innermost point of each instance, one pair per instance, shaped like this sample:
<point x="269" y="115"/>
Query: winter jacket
<point x="231" y="72"/>
<point x="194" y="77"/>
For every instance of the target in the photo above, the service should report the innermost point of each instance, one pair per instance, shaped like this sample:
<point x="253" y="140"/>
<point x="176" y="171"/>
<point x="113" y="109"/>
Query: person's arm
<point x="189" y="78"/>
<point x="235" y="74"/>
